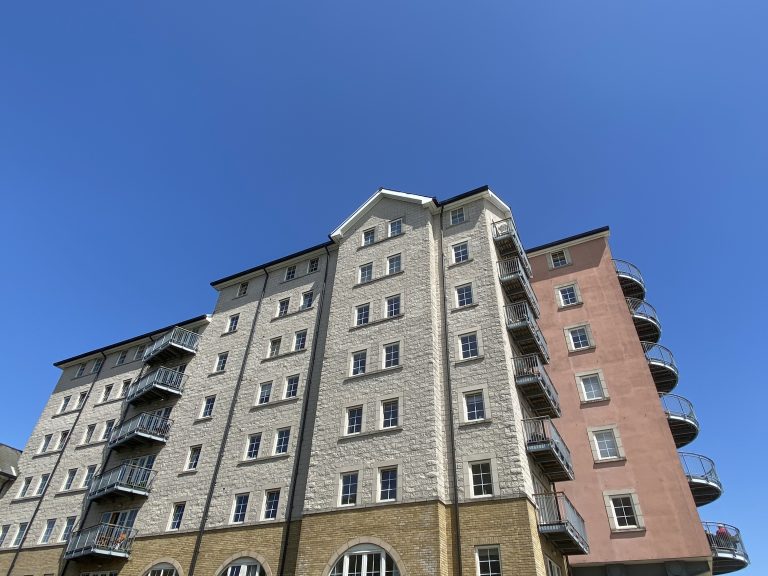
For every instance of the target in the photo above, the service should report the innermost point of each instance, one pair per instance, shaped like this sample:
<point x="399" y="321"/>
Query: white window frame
<point x="21" y="531"/>
<point x="242" y="289"/>
<point x="352" y="360"/>
<point x="265" y="510"/>
<point x="471" y="390"/>
<point x="361" y="424"/>
<point x="90" y="472"/>
<point x="197" y="450"/>
<point x="221" y="362"/>
<point x="260" y="401"/>
<point x="470" y="478"/>
<point x="457" y="216"/>
<point x="313" y="265"/>
<point x="559" y="295"/>
<point x="551" y="261"/>
<point x="304" y="305"/>
<point x="273" y="350"/>
<point x="593" y="433"/>
<point x="253" y="439"/>
<point x="360" y="273"/>
<point x="384" y="355"/>
<point x="45" y="537"/>
<point x="88" y="434"/>
<point x="64" y="404"/>
<point x="581" y="376"/>
<point x="300" y="340"/>
<point x="69" y="480"/>
<point x="232" y="324"/>
<point x="471" y="293"/>
<point x="477" y="559"/>
<point x="358" y="309"/>
<point x="290" y="272"/>
<point x="399" y="305"/>
<point x="380" y="471"/>
<point x="80" y="370"/>
<point x="205" y="406"/>
<point x="568" y="330"/>
<point x="609" y="496"/>
<point x="398" y="401"/>
<point x="399" y="222"/>
<point x="278" y="432"/>
<point x="247" y="496"/>
<point x="478" y="344"/>
<point x="553" y="568"/>
<point x="66" y="530"/>
<point x="357" y="489"/>
<point x="97" y="365"/>
<point x="398" y="258"/>
<point x="287" y="386"/>
<point x="139" y="354"/>
<point x="121" y="358"/>
<point x="456" y="249"/>
<point x="106" y="394"/>
<point x="174" y="507"/>
<point x="283" y="306"/>
<point x="368" y="237"/>
<point x="42" y="483"/>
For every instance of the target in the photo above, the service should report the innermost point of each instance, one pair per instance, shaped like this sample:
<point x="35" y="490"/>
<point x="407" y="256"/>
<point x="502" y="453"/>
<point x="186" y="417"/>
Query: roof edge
<point x="597" y="231"/>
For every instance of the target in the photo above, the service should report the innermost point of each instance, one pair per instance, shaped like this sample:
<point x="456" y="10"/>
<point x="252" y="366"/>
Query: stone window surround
<point x="380" y="411"/>
<point x="383" y="352"/>
<point x="461" y="284"/>
<point x="569" y="340"/>
<point x="461" y="399"/>
<point x="376" y="488"/>
<point x="469" y="486"/>
<point x="596" y="372"/>
<point x="619" y="445"/>
<point x="568" y="261"/>
<point x="480" y="349"/>
<point x="607" y="498"/>
<point x="363" y="423"/>
<point x="476" y="554"/>
<point x="456" y="242"/>
<point x="576" y="289"/>
<point x="272" y="488"/>
<point x="382" y="227"/>
<point x="361" y="476"/>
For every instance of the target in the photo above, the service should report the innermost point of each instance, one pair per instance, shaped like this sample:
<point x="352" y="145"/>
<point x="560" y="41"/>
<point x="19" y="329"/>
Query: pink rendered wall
<point x="672" y="526"/>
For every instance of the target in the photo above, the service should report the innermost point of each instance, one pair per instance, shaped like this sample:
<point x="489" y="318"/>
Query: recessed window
<point x="482" y="481"/>
<point x="124" y="388"/>
<point x="464" y="295"/>
<point x="568" y="295"/>
<point x="552" y="568"/>
<point x="242" y="289"/>
<point x="67" y="530"/>
<point x="252" y="448"/>
<point x="314" y="264"/>
<point x="579" y="338"/>
<point x="121" y="358"/>
<point x="469" y="347"/>
<point x="290" y="273"/>
<point x="265" y="392"/>
<point x="369" y="237"/>
<point x="348" y="489"/>
<point x="394" y="264"/>
<point x="392" y="355"/>
<point x="108" y="425"/>
<point x="474" y="405"/>
<point x="354" y="420"/>
<point x="271" y="502"/>
<point x="46" y="443"/>
<point x="4" y="533"/>
<point x="559" y="259"/>
<point x="624" y="511"/>
<point x="25" y="487"/>
<point x="274" y="347"/>
<point x="20" y="534"/>
<point x="193" y="458"/>
<point x="97" y="365"/>
<point x="107" y="393"/>
<point x="88" y="436"/>
<point x="139" y="354"/>
<point x="80" y="371"/>
<point x="306" y="300"/>
<point x="362" y="314"/>
<point x="300" y="340"/>
<point x="457" y="216"/>
<point x="281" y="441"/>
<point x="233" y="320"/>
<point x="221" y="361"/>
<point x="43" y="484"/>
<point x="395" y="227"/>
<point x="292" y="386"/>
<point x="591" y="387"/>
<point x="358" y="362"/>
<point x="49" y="526"/>
<point x="240" y="508"/>
<point x="177" y="513"/>
<point x="366" y="273"/>
<point x="89" y="474"/>
<point x="282" y="307"/>
<point x="390" y="413"/>
<point x="461" y="252"/>
<point x="388" y="484"/>
<point x="81" y="399"/>
<point x="488" y="561"/>
<point x="70" y="479"/>
<point x="365" y="559"/>
<point x="208" y="405"/>
<point x="605" y="444"/>
<point x="393" y="306"/>
<point x="62" y="439"/>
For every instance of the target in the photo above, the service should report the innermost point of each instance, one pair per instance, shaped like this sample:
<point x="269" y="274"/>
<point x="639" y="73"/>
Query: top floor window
<point x="97" y="365"/>
<point x="396" y="227"/>
<point x="80" y="370"/>
<point x="559" y="258"/>
<point x="314" y="264"/>
<point x="242" y="290"/>
<point x="457" y="216"/>
<point x="366" y="273"/>
<point x="461" y="252"/>
<point x="121" y="358"/>
<point x="290" y="273"/>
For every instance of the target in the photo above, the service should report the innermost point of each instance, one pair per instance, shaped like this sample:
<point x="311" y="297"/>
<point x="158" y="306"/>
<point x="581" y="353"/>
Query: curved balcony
<point x="533" y="382"/>
<point x="158" y="385"/>
<point x="702" y="478"/>
<point x="125" y="479"/>
<point x="515" y="284"/>
<point x="524" y="330"/>
<point x="728" y="552"/>
<point x="174" y="344"/>
<point x="102" y="540"/>
<point x="559" y="521"/>
<point x="646" y="320"/>
<point x="632" y="283"/>
<point x="662" y="366"/>
<point x="681" y="418"/>
<point x="141" y="429"/>
<point x="508" y="242"/>
<point x="547" y="448"/>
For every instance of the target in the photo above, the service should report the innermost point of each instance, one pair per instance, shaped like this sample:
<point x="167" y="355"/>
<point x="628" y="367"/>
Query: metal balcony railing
<point x="508" y="242"/>
<point x="532" y="378"/>
<point x="162" y="379"/>
<point x="632" y="283"/>
<point x="645" y="318"/>
<point x="126" y="478"/>
<point x="145" y="424"/>
<point x="513" y="278"/>
<point x="547" y="447"/>
<point x="681" y="417"/>
<point x="662" y="365"/>
<point x="178" y="337"/>
<point x="702" y="478"/>
<point x="558" y="519"/>
<point x="101" y="540"/>
<point x="520" y="314"/>
<point x="728" y="551"/>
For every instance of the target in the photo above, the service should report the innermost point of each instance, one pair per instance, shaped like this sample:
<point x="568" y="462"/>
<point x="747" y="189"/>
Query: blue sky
<point x="148" y="148"/>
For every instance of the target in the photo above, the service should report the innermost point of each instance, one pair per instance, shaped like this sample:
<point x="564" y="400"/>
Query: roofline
<point x="601" y="230"/>
<point x="480" y="190"/>
<point x="11" y="447"/>
<point x="60" y="363"/>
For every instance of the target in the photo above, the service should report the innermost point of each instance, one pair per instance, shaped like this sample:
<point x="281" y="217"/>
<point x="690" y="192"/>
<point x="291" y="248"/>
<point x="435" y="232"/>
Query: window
<point x="88" y="436"/>
<point x="393" y="306"/>
<point x="469" y="348"/>
<point x="243" y="567"/>
<point x="292" y="386"/>
<point x="314" y="264"/>
<point x="70" y="479"/>
<point x="306" y="300"/>
<point x="394" y="264"/>
<point x="221" y="361"/>
<point x="42" y="485"/>
<point x="4" y="533"/>
<point x="390" y="413"/>
<point x="20" y="534"/>
<point x="568" y="295"/>
<point x="488" y="561"/>
<point x="369" y="237"/>
<point x="25" y="487"/>
<point x="290" y="273"/>
<point x="591" y="387"/>
<point x="233" y="320"/>
<point x="300" y="340"/>
<point x="107" y="393"/>
<point x="392" y="355"/>
<point x="605" y="444"/>
<point x="354" y="420"/>
<point x="464" y="295"/>
<point x="579" y="338"/>
<point x="49" y="526"/>
<point x="559" y="259"/>
<point x="274" y="347"/>
<point x="623" y="512"/>
<point x="208" y="405"/>
<point x="193" y="458"/>
<point x="139" y="354"/>
<point x="358" y="362"/>
<point x="348" y="489"/>
<point x="482" y="482"/>
<point x="366" y="273"/>
<point x="387" y="484"/>
<point x="46" y="443"/>
<point x="177" y="513"/>
<point x="64" y="404"/>
<point x="121" y="358"/>
<point x="80" y="370"/>
<point x="281" y="441"/>
<point x="81" y="399"/>
<point x="395" y="227"/>
<point x="282" y="307"/>
<point x="242" y="290"/>
<point x="362" y="314"/>
<point x="552" y="568"/>
<point x="97" y="365"/>
<point x="474" y="405"/>
<point x="108" y="425"/>
<point x="365" y="559"/>
<point x="457" y="216"/>
<point x="460" y="252"/>
<point x="271" y="501"/>
<point x="62" y="439"/>
<point x="124" y="388"/>
<point x="252" y="449"/>
<point x="67" y="530"/>
<point x="240" y="508"/>
<point x="265" y="392"/>
<point x="89" y="473"/>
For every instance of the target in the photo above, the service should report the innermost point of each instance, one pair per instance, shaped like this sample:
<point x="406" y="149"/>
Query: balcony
<point x="662" y="366"/>
<point x="681" y="418"/>
<point x="702" y="478"/>
<point x="533" y="382"/>
<point x="102" y="540"/>
<point x="631" y="280"/>
<point x="508" y="242"/>
<point x="158" y="385"/>
<point x="645" y="319"/>
<point x="560" y="522"/>
<point x="728" y="553"/>
<point x="547" y="448"/>
<point x="174" y="344"/>
<point x="144" y="428"/>
<point x="522" y="326"/>
<point x="125" y="479"/>
<point x="515" y="284"/>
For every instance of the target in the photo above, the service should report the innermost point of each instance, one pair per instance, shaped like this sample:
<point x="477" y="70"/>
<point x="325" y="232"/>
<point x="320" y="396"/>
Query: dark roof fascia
<point x="461" y="196"/>
<point x="3" y="444"/>
<point x="566" y="240"/>
<point x="134" y="339"/>
<point x="272" y="263"/>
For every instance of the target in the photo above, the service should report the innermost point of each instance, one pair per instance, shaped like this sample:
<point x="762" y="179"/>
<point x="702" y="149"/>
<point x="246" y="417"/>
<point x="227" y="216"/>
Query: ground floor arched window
<point x="365" y="560"/>
<point x="244" y="567"/>
<point x="163" y="569"/>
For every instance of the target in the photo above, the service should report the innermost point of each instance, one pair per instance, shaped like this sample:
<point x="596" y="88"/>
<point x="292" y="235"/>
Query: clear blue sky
<point x="147" y="148"/>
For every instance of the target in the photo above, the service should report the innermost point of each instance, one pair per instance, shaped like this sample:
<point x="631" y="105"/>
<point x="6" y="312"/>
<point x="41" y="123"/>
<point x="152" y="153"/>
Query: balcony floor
<point x="684" y="430"/>
<point x="631" y="287"/>
<point x="564" y="538"/>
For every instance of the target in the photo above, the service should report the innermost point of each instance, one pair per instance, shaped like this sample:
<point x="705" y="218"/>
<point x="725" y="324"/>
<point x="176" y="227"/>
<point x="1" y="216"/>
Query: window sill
<point x="274" y="403"/>
<point x="378" y="279"/>
<point x="379" y="321"/>
<point x="294" y="313"/>
<point x="217" y="373"/>
<point x="258" y="459"/>
<point x="373" y="373"/>
<point x="47" y="453"/>
<point x="379" y="432"/>
<point x="468" y="423"/>
<point x="377" y="242"/>
<point x="291" y="353"/>
<point x="202" y="419"/>
<point x="67" y="413"/>
<point x="466" y="307"/>
<point x="89" y="444"/>
<point x="637" y="530"/>
<point x="297" y="277"/>
<point x="553" y="268"/>
<point x="26" y="498"/>
<point x="568" y="306"/>
<point x="228" y="333"/>
<point x="187" y="472"/>
<point x="455" y="264"/>
<point x="595" y="402"/>
<point x="572" y="352"/>
<point x="81" y="490"/>
<point x="110" y="401"/>
<point x="608" y="461"/>
<point x="469" y="360"/>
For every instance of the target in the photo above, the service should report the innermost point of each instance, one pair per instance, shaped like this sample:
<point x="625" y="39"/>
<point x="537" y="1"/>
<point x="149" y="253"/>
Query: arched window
<point x="163" y="569"/>
<point x="244" y="567"/>
<point x="365" y="560"/>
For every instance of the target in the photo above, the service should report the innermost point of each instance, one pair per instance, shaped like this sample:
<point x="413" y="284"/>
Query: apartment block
<point x="418" y="395"/>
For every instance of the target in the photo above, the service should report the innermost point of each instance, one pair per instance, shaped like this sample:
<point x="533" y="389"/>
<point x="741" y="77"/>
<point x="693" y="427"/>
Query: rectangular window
<point x="314" y="264"/>
<point x="88" y="436"/>
<point x="475" y="405"/>
<point x="392" y="355"/>
<point x="568" y="295"/>
<point x="41" y="486"/>
<point x="358" y="362"/>
<point x="281" y="441"/>
<point x="559" y="259"/>
<point x="107" y="393"/>
<point x="4" y="533"/>
<point x="395" y="227"/>
<point x="139" y="354"/>
<point x="240" y="508"/>
<point x="177" y="513"/>
<point x="393" y="306"/>
<point x="290" y="273"/>
<point x="121" y="358"/>
<point x="62" y="439"/>
<point x="67" y="530"/>
<point x="81" y="399"/>
<point x="488" y="561"/>
<point x="282" y="307"/>
<point x="362" y="314"/>
<point x="64" y="404"/>
<point x="482" y="482"/>
<point x="292" y="386"/>
<point x="233" y="320"/>
<point x="390" y="413"/>
<point x="208" y="405"/>
<point x="591" y="387"/>
<point x="97" y="365"/>
<point x="348" y="489"/>
<point x="464" y="295"/>
<point x="271" y="501"/>
<point x="605" y="444"/>
<point x="193" y="458"/>
<point x="457" y="216"/>
<point x="25" y="487"/>
<point x="300" y="340"/>
<point x="624" y="511"/>
<point x="70" y="479"/>
<point x="265" y="392"/>
<point x="124" y="388"/>
<point x="366" y="273"/>
<point x="388" y="484"/>
<point x="369" y="237"/>
<point x="89" y="473"/>
<point x="46" y="444"/>
<point x="221" y="361"/>
<point x="469" y="348"/>
<point x="254" y="443"/>
<point x="49" y="526"/>
<point x="354" y="420"/>
<point x="20" y="534"/>
<point x="242" y="290"/>
<point x="307" y="299"/>
<point x="552" y="568"/>
<point x="394" y="264"/>
<point x="274" y="347"/>
<point x="461" y="252"/>
<point x="579" y="338"/>
<point x="108" y="425"/>
<point x="80" y="370"/>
